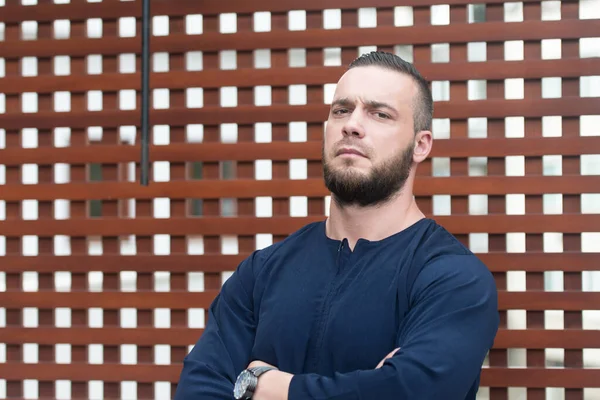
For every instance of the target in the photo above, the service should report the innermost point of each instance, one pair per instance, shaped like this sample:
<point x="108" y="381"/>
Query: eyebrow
<point x="345" y="102"/>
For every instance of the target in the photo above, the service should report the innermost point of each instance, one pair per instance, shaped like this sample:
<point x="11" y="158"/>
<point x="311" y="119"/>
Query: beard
<point x="381" y="184"/>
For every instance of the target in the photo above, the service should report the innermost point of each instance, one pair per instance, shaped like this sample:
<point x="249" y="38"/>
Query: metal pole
<point x="145" y="135"/>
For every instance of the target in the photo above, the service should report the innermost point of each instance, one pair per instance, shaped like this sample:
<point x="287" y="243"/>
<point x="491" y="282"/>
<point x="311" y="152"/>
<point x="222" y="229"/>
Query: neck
<point x="373" y="223"/>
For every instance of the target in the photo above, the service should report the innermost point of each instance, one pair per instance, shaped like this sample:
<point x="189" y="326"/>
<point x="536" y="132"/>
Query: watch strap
<point x="258" y="371"/>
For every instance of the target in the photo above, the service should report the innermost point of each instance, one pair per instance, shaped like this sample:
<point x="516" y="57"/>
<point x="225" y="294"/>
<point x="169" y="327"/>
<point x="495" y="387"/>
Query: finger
<point x="390" y="355"/>
<point x="393" y="352"/>
<point x="258" y="363"/>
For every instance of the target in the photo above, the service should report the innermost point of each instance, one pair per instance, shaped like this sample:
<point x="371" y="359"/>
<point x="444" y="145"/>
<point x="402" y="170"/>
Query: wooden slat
<point x="108" y="300"/>
<point x="176" y="152"/>
<point x="112" y="227"/>
<point x="78" y="372"/>
<point x="283" y="188"/>
<point x="173" y="117"/>
<point x="540" y="301"/>
<point x="565" y="106"/>
<point x="496" y="377"/>
<point x="496" y="262"/>
<point x="14" y="13"/>
<point x="530" y="300"/>
<point x="533" y="377"/>
<point x="110" y="82"/>
<point x="282" y="151"/>
<point x="149" y="226"/>
<point x="539" y="262"/>
<point x="112" y="336"/>
<point x="108" y="336"/>
<point x="204" y="189"/>
<point x="312" y="38"/>
<point x="547" y="339"/>
<point x="116" y="263"/>
<point x="566" y="146"/>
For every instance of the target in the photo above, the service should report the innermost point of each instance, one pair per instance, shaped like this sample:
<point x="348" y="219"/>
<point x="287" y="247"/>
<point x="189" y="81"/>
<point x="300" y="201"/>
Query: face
<point x="370" y="144"/>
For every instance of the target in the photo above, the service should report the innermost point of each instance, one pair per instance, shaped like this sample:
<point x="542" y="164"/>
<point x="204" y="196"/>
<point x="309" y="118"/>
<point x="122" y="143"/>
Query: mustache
<point x="355" y="144"/>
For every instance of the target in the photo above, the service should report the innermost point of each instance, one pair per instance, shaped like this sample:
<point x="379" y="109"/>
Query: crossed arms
<point x="446" y="335"/>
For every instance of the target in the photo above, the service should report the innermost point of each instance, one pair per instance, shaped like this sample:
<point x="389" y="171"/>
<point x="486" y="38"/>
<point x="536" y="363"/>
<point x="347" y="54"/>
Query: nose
<point x="353" y="126"/>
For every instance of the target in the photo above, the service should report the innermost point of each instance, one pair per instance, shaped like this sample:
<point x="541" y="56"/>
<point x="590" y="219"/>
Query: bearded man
<point x="377" y="301"/>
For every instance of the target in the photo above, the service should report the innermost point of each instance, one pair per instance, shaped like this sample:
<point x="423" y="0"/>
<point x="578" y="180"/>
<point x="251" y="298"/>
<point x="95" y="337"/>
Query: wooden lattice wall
<point x="104" y="283"/>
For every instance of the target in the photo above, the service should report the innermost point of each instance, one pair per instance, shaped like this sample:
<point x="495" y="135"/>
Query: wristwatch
<point x="247" y="381"/>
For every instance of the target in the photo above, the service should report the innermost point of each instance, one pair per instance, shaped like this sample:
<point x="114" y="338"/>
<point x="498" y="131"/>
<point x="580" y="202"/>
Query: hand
<point x="272" y="385"/>
<point x="260" y="364"/>
<point x="390" y="355"/>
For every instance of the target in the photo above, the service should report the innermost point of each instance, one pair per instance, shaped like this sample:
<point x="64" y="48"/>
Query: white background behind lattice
<point x="590" y="165"/>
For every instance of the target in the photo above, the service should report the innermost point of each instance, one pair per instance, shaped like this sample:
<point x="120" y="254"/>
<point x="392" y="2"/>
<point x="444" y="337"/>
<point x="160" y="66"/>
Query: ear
<point x="423" y="145"/>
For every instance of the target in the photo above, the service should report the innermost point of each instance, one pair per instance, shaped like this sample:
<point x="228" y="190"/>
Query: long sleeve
<point x="223" y="351"/>
<point x="443" y="341"/>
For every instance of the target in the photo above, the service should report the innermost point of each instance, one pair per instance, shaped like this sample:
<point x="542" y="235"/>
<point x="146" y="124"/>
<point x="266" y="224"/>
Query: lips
<point x="347" y="150"/>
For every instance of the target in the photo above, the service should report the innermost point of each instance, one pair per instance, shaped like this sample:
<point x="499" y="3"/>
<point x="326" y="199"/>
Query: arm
<point x="275" y="385"/>
<point x="223" y="351"/>
<point x="443" y="341"/>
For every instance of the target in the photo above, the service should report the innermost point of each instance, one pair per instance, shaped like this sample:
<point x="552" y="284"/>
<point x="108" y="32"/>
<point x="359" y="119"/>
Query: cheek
<point x="330" y="137"/>
<point x="383" y="146"/>
<point x="384" y="151"/>
<point x="332" y="127"/>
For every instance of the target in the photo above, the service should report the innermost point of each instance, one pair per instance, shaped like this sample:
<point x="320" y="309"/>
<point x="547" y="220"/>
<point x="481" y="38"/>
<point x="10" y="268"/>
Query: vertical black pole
<point x="144" y="137"/>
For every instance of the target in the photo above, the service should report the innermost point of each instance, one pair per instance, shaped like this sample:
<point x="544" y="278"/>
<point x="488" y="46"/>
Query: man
<point x="377" y="301"/>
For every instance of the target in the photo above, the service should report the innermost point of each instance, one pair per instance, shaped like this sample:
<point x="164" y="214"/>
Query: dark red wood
<point x="528" y="339"/>
<point x="535" y="377"/>
<point x="206" y="177"/>
<point x="572" y="261"/>
<point x="566" y="107"/>
<point x="313" y="38"/>
<point x="108" y="10"/>
<point x="248" y="189"/>
<point x="282" y="151"/>
<point x="247" y="77"/>
<point x="282" y="225"/>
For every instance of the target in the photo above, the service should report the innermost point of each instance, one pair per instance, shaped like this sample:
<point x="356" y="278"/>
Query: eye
<point x="382" y="115"/>
<point x="340" y="111"/>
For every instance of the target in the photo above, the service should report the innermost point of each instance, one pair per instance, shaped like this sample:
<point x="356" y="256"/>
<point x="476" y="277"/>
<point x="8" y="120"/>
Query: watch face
<point x="244" y="380"/>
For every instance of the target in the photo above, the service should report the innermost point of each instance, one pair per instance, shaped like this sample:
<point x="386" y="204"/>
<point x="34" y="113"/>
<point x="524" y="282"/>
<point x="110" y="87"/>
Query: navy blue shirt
<point x="327" y="314"/>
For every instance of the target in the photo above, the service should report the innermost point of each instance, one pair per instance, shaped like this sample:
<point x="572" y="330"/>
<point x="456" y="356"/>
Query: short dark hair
<point x="423" y="107"/>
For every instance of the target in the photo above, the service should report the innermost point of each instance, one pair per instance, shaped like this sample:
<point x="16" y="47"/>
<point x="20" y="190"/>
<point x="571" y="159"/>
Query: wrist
<point x="246" y="384"/>
<point x="273" y="385"/>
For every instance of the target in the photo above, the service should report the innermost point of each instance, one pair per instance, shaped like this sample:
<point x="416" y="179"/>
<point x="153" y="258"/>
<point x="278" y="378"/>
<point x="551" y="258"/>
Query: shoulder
<point x="433" y="244"/>
<point x="458" y="268"/>
<point x="301" y="237"/>
<point x="296" y="241"/>
<point x="442" y="260"/>
<point x="250" y="268"/>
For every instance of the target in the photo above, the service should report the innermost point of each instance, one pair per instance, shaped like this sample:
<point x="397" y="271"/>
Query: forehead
<point x="377" y="84"/>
